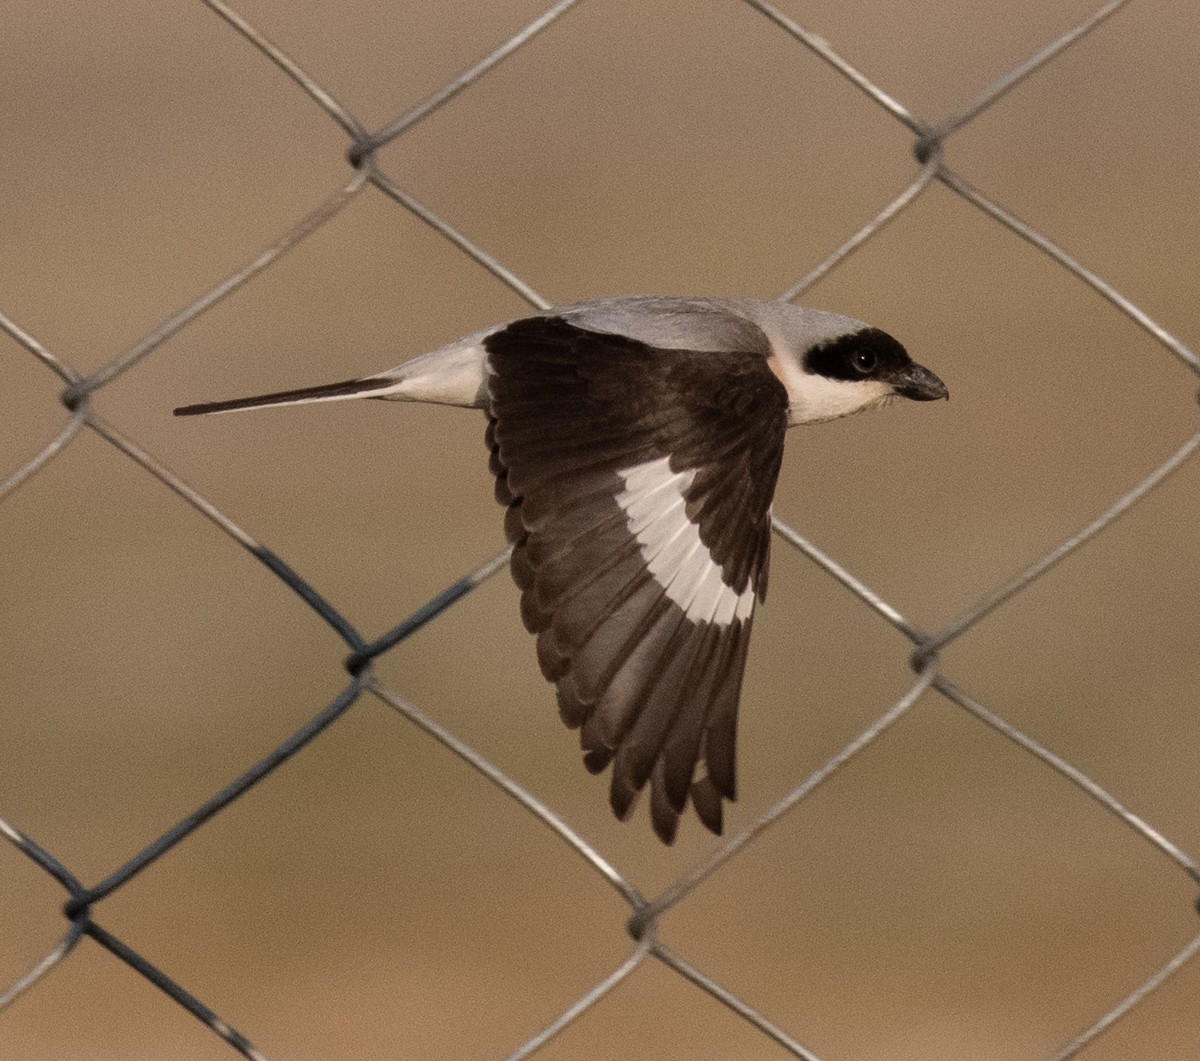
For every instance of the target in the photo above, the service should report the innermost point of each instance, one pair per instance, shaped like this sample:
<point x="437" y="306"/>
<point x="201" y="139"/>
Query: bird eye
<point x="865" y="361"/>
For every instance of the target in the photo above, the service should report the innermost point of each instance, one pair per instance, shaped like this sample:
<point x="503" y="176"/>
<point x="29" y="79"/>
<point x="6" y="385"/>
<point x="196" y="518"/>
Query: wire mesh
<point x="646" y="907"/>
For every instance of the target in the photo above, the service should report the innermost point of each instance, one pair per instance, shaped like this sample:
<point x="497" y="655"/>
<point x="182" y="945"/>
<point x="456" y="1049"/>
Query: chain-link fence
<point x="1091" y="1016"/>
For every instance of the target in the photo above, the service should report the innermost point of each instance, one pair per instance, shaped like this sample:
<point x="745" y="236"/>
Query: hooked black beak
<point x="918" y="383"/>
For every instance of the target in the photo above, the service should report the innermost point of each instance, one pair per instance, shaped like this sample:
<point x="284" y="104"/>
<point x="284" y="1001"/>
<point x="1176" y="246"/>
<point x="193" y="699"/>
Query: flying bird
<point x="635" y="443"/>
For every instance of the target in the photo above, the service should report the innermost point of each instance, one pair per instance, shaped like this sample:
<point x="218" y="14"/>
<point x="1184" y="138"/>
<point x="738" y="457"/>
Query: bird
<point x="635" y="443"/>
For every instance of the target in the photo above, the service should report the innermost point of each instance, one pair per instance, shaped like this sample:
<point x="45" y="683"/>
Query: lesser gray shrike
<point x="636" y="442"/>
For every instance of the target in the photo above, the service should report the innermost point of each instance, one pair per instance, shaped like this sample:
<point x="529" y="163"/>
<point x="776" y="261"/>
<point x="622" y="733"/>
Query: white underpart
<point x="454" y="375"/>
<point x="655" y="513"/>
<point x="813" y="399"/>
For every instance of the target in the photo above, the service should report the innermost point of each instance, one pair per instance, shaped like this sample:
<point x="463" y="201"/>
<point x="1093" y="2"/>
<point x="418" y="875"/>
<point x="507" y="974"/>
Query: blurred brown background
<point x="946" y="896"/>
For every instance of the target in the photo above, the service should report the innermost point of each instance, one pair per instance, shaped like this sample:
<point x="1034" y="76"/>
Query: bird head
<point x="833" y="366"/>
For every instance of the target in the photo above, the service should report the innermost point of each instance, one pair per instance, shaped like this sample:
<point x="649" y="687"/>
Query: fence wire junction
<point x="645" y="911"/>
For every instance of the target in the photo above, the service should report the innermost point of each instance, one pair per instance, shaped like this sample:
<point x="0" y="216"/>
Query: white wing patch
<point x="653" y="503"/>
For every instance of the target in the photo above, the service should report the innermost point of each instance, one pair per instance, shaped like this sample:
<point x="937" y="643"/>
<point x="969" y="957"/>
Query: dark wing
<point x="639" y="482"/>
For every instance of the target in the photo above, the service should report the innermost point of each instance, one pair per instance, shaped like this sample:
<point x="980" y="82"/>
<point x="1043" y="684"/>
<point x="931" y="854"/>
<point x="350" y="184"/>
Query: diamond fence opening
<point x="991" y="844"/>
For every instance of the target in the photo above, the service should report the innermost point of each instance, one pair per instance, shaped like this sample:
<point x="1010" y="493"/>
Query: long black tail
<point x="326" y="392"/>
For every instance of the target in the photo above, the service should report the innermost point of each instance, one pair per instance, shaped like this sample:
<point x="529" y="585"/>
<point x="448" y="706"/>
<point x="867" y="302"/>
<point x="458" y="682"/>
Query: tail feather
<point x="326" y="392"/>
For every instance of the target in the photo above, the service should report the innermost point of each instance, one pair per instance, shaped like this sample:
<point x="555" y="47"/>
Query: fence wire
<point x="645" y="911"/>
